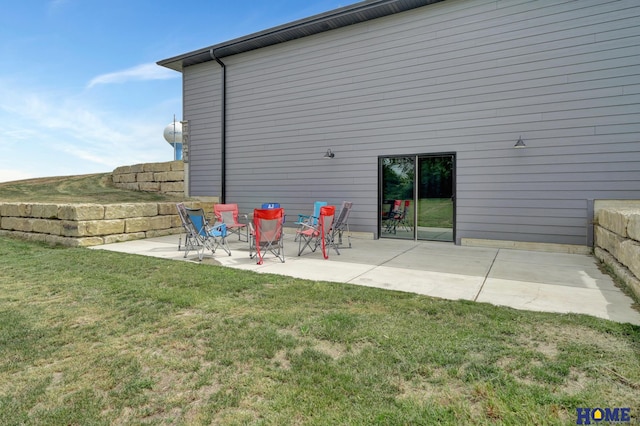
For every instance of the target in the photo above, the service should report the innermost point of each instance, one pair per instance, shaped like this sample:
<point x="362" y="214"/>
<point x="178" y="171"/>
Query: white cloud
<point x="7" y="175"/>
<point x="52" y="135"/>
<point x="150" y="71"/>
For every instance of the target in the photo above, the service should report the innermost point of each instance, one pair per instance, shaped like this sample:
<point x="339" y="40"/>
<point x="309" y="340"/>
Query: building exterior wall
<point x="202" y="94"/>
<point x="463" y="76"/>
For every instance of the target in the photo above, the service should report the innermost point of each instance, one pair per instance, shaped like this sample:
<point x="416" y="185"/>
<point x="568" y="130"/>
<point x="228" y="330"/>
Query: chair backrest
<point x="343" y="217"/>
<point x="268" y="224"/>
<point x="316" y="211"/>
<point x="187" y="224"/>
<point x="196" y="216"/>
<point x="182" y="213"/>
<point x="327" y="214"/>
<point x="405" y="209"/>
<point x="226" y="213"/>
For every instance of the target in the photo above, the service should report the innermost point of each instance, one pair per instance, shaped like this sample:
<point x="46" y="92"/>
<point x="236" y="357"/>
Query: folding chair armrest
<point x="305" y="218"/>
<point x="308" y="225"/>
<point x="302" y="218"/>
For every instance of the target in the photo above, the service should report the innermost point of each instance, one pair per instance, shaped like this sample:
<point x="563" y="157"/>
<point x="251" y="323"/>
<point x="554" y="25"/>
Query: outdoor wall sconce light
<point x="520" y="143"/>
<point x="329" y="154"/>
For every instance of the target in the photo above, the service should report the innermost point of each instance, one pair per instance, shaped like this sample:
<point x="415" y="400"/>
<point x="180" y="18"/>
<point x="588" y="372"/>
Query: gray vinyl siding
<point x="202" y="90"/>
<point x="460" y="76"/>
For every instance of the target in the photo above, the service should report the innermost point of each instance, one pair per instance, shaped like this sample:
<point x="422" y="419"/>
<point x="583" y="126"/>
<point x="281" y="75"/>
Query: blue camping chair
<point x="319" y="235"/>
<point x="204" y="236"/>
<point x="309" y="220"/>
<point x="271" y="206"/>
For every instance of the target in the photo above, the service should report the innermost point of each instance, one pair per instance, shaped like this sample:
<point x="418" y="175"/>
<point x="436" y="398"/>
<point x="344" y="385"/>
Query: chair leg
<point x="307" y="240"/>
<point x="281" y="250"/>
<point x="224" y="245"/>
<point x="331" y="242"/>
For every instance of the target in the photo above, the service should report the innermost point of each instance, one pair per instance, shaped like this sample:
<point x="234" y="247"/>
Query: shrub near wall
<point x="91" y="224"/>
<point x="617" y="243"/>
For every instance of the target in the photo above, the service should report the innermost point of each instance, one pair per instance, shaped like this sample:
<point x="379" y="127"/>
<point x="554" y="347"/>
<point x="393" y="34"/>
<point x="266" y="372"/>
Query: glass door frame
<point x="416" y="176"/>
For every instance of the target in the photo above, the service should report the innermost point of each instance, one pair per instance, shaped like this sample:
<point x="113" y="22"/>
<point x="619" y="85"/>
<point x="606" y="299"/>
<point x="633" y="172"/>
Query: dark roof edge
<point x="333" y="19"/>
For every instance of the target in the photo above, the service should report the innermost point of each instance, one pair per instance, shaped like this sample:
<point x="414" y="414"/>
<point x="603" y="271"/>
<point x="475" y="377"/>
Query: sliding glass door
<point x="417" y="197"/>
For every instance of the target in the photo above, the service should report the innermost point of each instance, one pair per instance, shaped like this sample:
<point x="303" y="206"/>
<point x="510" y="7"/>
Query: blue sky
<point x="79" y="88"/>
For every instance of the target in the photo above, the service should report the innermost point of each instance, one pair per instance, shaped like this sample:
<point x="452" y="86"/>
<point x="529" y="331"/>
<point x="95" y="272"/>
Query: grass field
<point x="435" y="212"/>
<point x="91" y="337"/>
<point x="94" y="188"/>
<point x="97" y="337"/>
<point x="432" y="213"/>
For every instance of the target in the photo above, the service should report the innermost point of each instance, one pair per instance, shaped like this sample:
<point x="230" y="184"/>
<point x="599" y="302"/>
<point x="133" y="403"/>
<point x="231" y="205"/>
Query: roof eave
<point x="333" y="19"/>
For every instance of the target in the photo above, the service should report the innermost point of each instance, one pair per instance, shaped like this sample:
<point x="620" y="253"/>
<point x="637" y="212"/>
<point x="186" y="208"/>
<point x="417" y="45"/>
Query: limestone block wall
<point x="617" y="243"/>
<point x="167" y="177"/>
<point x="92" y="224"/>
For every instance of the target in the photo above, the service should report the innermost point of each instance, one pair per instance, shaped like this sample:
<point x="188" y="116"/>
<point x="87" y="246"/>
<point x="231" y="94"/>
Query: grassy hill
<point x="92" y="188"/>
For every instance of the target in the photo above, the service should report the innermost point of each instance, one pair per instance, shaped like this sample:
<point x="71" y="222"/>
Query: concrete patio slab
<point x="535" y="296"/>
<point x="537" y="281"/>
<point x="438" y="284"/>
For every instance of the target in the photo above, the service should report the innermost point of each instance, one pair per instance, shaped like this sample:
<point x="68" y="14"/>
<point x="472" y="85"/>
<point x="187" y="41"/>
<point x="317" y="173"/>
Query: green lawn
<point x="94" y="188"/>
<point x="435" y="212"/>
<point x="96" y="337"/>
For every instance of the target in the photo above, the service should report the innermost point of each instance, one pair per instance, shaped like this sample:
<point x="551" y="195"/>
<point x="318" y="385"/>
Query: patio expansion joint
<point x="475" y="299"/>
<point x="381" y="264"/>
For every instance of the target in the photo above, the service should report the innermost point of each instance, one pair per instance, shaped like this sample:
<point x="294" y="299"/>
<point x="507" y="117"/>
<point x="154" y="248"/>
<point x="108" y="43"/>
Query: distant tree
<point x="398" y="178"/>
<point x="436" y="174"/>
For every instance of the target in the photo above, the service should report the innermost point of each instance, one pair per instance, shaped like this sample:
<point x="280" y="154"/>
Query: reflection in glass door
<point x="396" y="213"/>
<point x="429" y="179"/>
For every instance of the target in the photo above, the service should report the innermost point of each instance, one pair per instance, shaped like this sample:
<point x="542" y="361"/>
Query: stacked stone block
<point x="92" y="224"/>
<point x="167" y="177"/>
<point x="617" y="243"/>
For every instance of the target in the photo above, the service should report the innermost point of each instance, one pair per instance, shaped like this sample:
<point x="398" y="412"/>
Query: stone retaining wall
<point x="91" y="224"/>
<point x="167" y="177"/>
<point x="617" y="243"/>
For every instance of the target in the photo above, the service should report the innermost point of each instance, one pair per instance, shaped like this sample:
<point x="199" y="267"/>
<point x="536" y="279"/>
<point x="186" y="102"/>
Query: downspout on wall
<point x="223" y="130"/>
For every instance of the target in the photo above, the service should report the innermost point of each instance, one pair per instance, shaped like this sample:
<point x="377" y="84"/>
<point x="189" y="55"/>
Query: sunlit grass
<point x="97" y="337"/>
<point x="94" y="188"/>
<point x="433" y="213"/>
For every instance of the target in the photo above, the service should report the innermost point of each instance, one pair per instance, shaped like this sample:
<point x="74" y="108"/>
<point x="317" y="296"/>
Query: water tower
<point x="173" y="135"/>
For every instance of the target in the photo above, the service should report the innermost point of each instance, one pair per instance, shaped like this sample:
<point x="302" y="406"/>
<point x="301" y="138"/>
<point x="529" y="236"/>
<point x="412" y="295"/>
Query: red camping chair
<point x="391" y="218"/>
<point x="228" y="214"/>
<point x="266" y="234"/>
<point x="269" y="206"/>
<point x="319" y="235"/>
<point x="311" y="219"/>
<point x="402" y="218"/>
